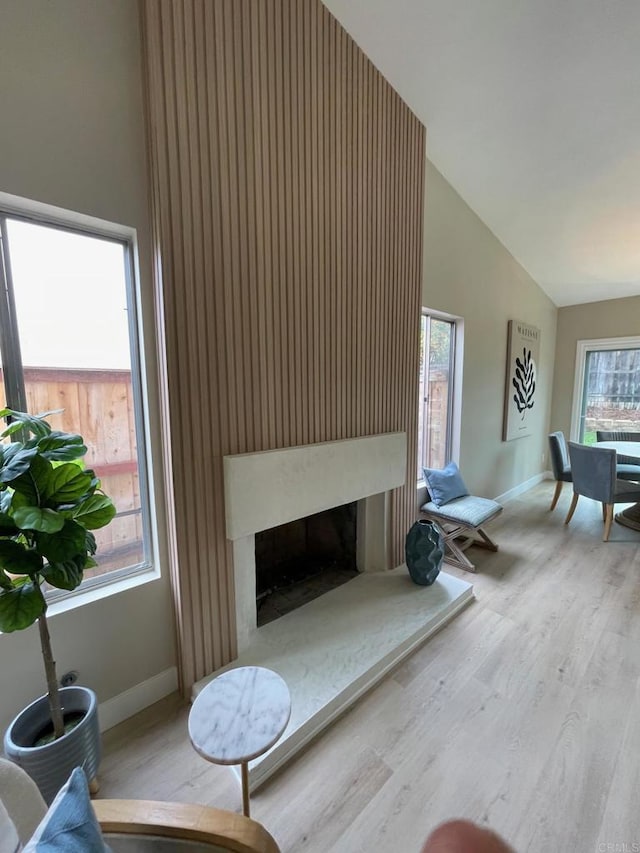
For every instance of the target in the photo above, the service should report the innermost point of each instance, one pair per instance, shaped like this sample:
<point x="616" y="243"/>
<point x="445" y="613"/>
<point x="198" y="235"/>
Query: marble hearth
<point x="333" y="649"/>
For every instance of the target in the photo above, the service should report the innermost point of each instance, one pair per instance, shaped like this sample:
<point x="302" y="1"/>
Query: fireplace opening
<point x="301" y="560"/>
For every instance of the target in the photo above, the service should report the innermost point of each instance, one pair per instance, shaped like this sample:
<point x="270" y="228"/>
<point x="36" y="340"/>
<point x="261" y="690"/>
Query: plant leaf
<point x="62" y="446"/>
<point x="67" y="574"/>
<point x="34" y="518"/>
<point x="34" y="482"/>
<point x="67" y="483"/>
<point x="14" y="461"/>
<point x="7" y="526"/>
<point x="16" y="559"/>
<point x="95" y="512"/>
<point x="20" y="607"/>
<point x="23" y="420"/>
<point x="63" y="545"/>
<point x="90" y="543"/>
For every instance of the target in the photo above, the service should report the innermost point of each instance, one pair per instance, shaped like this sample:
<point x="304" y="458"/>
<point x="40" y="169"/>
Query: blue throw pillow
<point x="445" y="484"/>
<point x="70" y="824"/>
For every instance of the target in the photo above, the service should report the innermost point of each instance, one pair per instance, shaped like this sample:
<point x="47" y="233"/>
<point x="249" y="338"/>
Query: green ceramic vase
<point x="424" y="552"/>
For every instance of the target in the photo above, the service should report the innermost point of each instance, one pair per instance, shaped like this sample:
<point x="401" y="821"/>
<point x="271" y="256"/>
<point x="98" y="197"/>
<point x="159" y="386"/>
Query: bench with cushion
<point x="459" y="516"/>
<point x="461" y="522"/>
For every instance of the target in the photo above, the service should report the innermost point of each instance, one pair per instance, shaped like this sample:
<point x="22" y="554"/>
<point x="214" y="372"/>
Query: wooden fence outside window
<point x="99" y="405"/>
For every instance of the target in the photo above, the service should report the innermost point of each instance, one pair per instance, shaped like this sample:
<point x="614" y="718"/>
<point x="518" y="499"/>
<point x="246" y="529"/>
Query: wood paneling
<point x="288" y="198"/>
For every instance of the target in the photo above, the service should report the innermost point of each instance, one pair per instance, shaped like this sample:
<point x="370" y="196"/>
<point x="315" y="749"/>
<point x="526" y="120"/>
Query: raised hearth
<point x="333" y="649"/>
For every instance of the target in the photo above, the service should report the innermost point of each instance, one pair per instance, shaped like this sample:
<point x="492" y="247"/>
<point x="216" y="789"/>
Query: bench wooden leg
<point x="457" y="538"/>
<point x="455" y="556"/>
<point x="485" y="541"/>
<point x="454" y="550"/>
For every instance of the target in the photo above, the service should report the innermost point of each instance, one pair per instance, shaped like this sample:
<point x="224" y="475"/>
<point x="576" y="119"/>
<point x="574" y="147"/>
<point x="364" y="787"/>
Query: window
<point x="69" y="340"/>
<point x="607" y="388"/>
<point x="436" y="391"/>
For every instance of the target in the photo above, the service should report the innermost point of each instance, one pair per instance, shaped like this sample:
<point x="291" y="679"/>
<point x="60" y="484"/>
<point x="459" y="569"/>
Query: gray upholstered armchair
<point x="134" y="826"/>
<point x="594" y="474"/>
<point x="560" y="464"/>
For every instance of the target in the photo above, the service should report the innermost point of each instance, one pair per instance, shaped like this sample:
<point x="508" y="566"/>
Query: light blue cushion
<point x="445" y="484"/>
<point x="70" y="824"/>
<point x="469" y="511"/>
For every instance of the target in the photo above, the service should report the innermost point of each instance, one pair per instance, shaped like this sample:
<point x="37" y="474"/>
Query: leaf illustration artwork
<point x="524" y="382"/>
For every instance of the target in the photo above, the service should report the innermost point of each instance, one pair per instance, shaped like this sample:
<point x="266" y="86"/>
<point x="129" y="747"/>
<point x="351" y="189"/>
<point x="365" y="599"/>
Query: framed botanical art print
<point x="521" y="394"/>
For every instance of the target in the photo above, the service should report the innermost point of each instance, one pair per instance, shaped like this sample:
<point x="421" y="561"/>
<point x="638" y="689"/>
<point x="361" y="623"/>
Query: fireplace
<point x="337" y="647"/>
<point x="298" y="561"/>
<point x="272" y="488"/>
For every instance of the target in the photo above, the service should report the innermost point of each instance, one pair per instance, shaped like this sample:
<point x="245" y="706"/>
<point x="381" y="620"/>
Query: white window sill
<point x="97" y="593"/>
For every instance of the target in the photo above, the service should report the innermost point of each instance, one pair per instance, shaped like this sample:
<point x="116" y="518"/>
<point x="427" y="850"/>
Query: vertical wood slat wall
<point x="288" y="182"/>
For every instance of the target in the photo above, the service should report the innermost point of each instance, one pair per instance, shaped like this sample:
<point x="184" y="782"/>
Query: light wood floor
<point x="523" y="713"/>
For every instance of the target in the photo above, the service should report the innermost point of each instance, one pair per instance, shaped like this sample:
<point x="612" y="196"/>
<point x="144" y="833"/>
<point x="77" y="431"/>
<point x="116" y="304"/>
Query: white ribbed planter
<point x="50" y="765"/>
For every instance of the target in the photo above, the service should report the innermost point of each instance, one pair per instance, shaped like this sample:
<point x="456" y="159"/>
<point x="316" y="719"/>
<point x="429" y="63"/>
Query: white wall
<point x="73" y="135"/>
<point x="469" y="273"/>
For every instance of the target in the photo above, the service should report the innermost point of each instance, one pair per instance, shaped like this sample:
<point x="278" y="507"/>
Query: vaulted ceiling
<point x="532" y="109"/>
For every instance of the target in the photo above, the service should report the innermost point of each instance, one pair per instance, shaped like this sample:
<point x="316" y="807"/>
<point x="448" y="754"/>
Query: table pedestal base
<point x="245" y="788"/>
<point x="629" y="517"/>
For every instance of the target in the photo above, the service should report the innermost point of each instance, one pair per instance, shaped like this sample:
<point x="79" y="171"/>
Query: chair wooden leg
<point x="572" y="508"/>
<point x="556" y="495"/>
<point x="604" y="512"/>
<point x="607" y="522"/>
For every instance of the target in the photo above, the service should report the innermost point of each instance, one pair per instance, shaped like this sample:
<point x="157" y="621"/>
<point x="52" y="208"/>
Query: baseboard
<point x="126" y="704"/>
<point x="523" y="487"/>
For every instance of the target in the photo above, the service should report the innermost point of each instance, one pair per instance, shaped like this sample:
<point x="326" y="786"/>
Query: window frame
<point x="454" y="402"/>
<point x="26" y="210"/>
<point x="582" y="348"/>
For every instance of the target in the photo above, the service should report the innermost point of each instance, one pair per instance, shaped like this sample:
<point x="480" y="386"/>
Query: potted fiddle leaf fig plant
<point x="49" y="506"/>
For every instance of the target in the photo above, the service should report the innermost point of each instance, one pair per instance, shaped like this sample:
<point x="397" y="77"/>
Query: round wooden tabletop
<point x="239" y="715"/>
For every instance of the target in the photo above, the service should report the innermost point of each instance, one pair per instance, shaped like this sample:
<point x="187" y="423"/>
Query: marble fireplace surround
<point x="264" y="490"/>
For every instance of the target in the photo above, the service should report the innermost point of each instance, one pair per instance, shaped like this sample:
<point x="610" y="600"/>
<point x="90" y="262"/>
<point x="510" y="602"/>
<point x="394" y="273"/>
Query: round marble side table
<point x="239" y="716"/>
